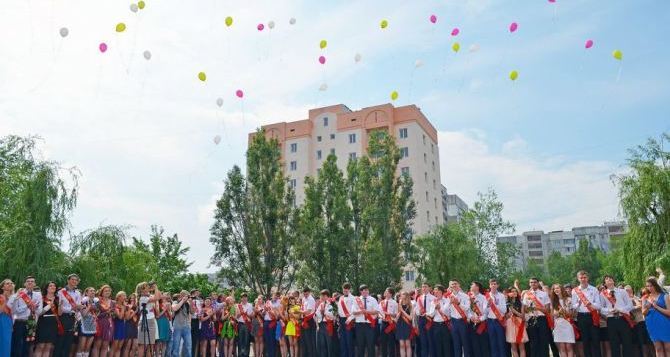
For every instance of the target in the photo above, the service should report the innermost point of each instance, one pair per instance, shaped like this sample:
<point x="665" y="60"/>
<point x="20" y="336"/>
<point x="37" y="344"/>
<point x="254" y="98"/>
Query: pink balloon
<point x="260" y="27"/>
<point x="588" y="44"/>
<point x="102" y="47"/>
<point x="513" y="26"/>
<point x="552" y="1"/>
<point x="455" y="31"/>
<point x="322" y="59"/>
<point x="433" y="18"/>
<point x="239" y="93"/>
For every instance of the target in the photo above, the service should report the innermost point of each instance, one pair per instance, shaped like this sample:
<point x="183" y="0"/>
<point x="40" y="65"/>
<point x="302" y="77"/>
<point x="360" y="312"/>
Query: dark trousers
<point x="479" y="342"/>
<point x="243" y="339"/>
<point x="552" y="345"/>
<point x="424" y="337"/>
<point x="496" y="338"/>
<point x="365" y="339"/>
<point x="19" y="334"/>
<point x="269" y="341"/>
<point x="195" y="336"/>
<point x="590" y="335"/>
<point x="387" y="342"/>
<point x="308" y="340"/>
<point x="620" y="335"/>
<point x="324" y="342"/>
<point x="537" y="336"/>
<point x="459" y="332"/>
<point x="64" y="343"/>
<point x="346" y="339"/>
<point x="441" y="340"/>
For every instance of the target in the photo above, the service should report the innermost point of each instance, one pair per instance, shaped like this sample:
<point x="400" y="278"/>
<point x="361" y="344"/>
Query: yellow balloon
<point x="456" y="46"/>
<point x="229" y="21"/>
<point x="202" y="76"/>
<point x="141" y="4"/>
<point x="617" y="54"/>
<point x="120" y="27"/>
<point x="513" y="75"/>
<point x="384" y="24"/>
<point x="323" y="44"/>
<point x="394" y="95"/>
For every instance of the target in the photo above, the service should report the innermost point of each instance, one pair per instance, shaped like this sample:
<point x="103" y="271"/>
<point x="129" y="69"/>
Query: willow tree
<point x="255" y="222"/>
<point x="644" y="194"/>
<point x="36" y="199"/>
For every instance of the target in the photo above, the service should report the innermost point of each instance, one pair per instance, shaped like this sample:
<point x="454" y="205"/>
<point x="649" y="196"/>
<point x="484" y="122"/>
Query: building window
<point x="318" y="138"/>
<point x="404" y="171"/>
<point x="425" y="177"/>
<point x="425" y="158"/>
<point x="435" y="202"/>
<point x="534" y="253"/>
<point x="294" y="165"/>
<point x="352" y="138"/>
<point x="294" y="183"/>
<point x="428" y="216"/>
<point x="434" y="186"/>
<point x="403" y="133"/>
<point x="332" y="151"/>
<point x="534" y="238"/>
<point x="352" y="156"/>
<point x="424" y="139"/>
<point x="294" y="147"/>
<point x="432" y="148"/>
<point x="409" y="275"/>
<point x="433" y="166"/>
<point x="332" y="136"/>
<point x="325" y="121"/>
<point x="404" y="152"/>
<point x="435" y="219"/>
<point x="318" y="154"/>
<point x="426" y="196"/>
<point x="535" y="245"/>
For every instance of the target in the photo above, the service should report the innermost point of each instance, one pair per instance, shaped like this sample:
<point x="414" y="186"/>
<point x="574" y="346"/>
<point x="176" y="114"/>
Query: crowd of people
<point x="435" y="321"/>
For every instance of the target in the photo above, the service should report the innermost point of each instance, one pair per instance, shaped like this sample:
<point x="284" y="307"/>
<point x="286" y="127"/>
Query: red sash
<point x="550" y="319"/>
<point x="245" y="317"/>
<point x="60" y="330"/>
<point x="482" y="325"/>
<point x="26" y="299"/>
<point x="368" y="317"/>
<point x="391" y="324"/>
<point x="305" y="319"/>
<point x="413" y="330"/>
<point x="519" y="330"/>
<point x="343" y="306"/>
<point x="626" y="317"/>
<point x="273" y="318"/>
<point x="595" y="316"/>
<point x="73" y="305"/>
<point x="422" y="308"/>
<point x="458" y="307"/>
<point x="330" y="326"/>
<point x="495" y="310"/>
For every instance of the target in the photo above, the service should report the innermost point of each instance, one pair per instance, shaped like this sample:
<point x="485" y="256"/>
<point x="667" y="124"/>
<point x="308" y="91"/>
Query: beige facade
<point x="306" y="143"/>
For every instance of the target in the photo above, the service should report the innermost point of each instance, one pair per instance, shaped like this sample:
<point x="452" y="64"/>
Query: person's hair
<point x="583" y="272"/>
<point x="306" y="289"/>
<point x="439" y="287"/>
<point x="243" y="295"/>
<point x="119" y="294"/>
<point x="102" y="289"/>
<point x="346" y="286"/>
<point x="426" y="284"/>
<point x="514" y="302"/>
<point x="45" y="289"/>
<point x="454" y="281"/>
<point x="390" y="290"/>
<point x="140" y="287"/>
<point x="73" y="276"/>
<point x="28" y="277"/>
<point x="362" y="287"/>
<point x="6" y="281"/>
<point x="534" y="278"/>
<point x="654" y="283"/>
<point x="609" y="276"/>
<point x="325" y="292"/>
<point x="404" y="299"/>
<point x="479" y="285"/>
<point x="493" y="281"/>
<point x="556" y="299"/>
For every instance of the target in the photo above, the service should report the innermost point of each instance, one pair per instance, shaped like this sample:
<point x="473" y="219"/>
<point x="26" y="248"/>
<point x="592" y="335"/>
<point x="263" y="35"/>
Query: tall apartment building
<point x="454" y="207"/>
<point x="336" y="129"/>
<point x="538" y="245"/>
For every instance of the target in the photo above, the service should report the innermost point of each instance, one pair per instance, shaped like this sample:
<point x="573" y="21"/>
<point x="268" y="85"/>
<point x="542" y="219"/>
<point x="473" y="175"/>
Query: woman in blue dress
<point x="7" y="290"/>
<point x="656" y="308"/>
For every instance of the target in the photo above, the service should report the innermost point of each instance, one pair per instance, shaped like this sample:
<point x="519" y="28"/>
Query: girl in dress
<point x="283" y="320"/>
<point x="404" y="326"/>
<point x="164" y="318"/>
<point x="228" y="329"/>
<point x="47" y="323"/>
<point x="293" y="325"/>
<point x="640" y="335"/>
<point x="561" y="310"/>
<point x="87" y="324"/>
<point x="119" y="317"/>
<point x="7" y="287"/>
<point x="257" y="326"/>
<point x="515" y="326"/>
<point x="207" y="332"/>
<point x="131" y="316"/>
<point x="104" y="308"/>
<point x="605" y="347"/>
<point x="656" y="309"/>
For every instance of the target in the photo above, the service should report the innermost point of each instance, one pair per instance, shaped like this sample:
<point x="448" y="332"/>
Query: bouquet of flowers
<point x="31" y="325"/>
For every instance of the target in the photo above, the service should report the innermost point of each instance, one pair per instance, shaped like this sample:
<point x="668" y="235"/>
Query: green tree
<point x="36" y="199"/>
<point x="559" y="269"/>
<point x="254" y="232"/>
<point x="586" y="258"/>
<point x="644" y="194"/>
<point x="325" y="230"/>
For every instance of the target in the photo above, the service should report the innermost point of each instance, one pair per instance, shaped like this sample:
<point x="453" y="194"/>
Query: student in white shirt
<point x="616" y="310"/>
<point x="365" y="310"/>
<point x="459" y="313"/>
<point x="537" y="305"/>
<point x="586" y="300"/>
<point x="439" y="313"/>
<point x="346" y="332"/>
<point x="478" y="313"/>
<point x="388" y="313"/>
<point x="325" y="318"/>
<point x="495" y="319"/>
<point x="308" y="332"/>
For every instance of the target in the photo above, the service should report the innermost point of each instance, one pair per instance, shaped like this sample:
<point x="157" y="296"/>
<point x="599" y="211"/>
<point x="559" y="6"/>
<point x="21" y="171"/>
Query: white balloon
<point x="147" y="55"/>
<point x="133" y="7"/>
<point x="323" y="87"/>
<point x="219" y="102"/>
<point x="418" y="63"/>
<point x="217" y="139"/>
<point x="357" y="57"/>
<point x="292" y="21"/>
<point x="271" y="25"/>
<point x="64" y="32"/>
<point x="474" y="48"/>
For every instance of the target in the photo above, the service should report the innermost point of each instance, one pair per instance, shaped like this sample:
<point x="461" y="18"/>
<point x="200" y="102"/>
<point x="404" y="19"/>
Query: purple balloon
<point x="239" y="93"/>
<point x="322" y="59"/>
<point x="260" y="27"/>
<point x="455" y="31"/>
<point x="588" y="44"/>
<point x="433" y="18"/>
<point x="513" y="27"/>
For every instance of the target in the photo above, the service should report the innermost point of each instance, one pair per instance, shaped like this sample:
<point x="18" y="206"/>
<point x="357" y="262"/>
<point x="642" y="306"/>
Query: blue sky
<point x="141" y="131"/>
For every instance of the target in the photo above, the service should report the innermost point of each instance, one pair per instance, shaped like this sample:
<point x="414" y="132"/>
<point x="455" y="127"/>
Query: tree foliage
<point x="255" y="222"/>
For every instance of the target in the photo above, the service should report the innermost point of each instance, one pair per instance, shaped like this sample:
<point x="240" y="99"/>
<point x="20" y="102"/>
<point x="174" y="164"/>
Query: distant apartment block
<point x="454" y="207"/>
<point x="537" y="245"/>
